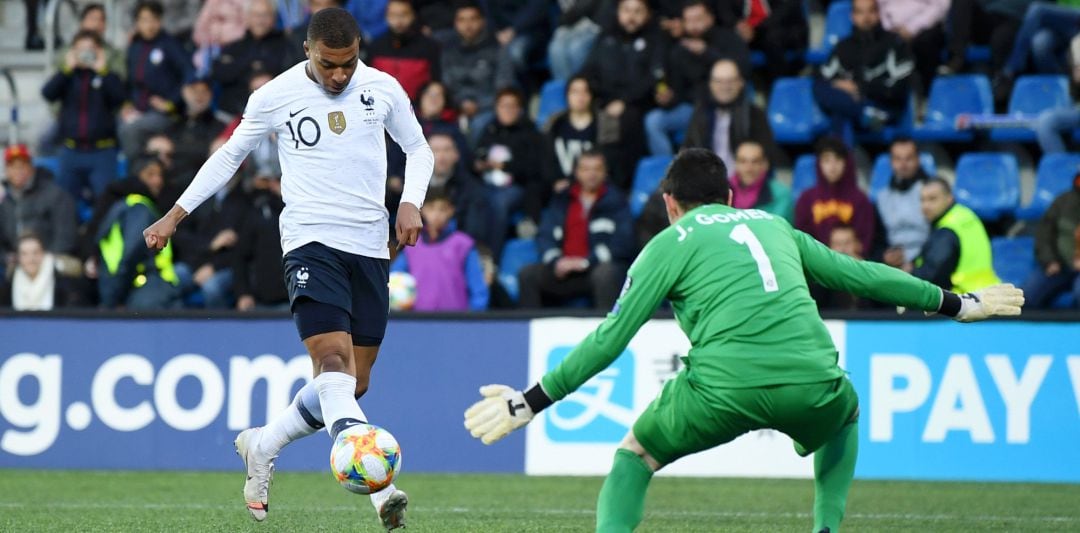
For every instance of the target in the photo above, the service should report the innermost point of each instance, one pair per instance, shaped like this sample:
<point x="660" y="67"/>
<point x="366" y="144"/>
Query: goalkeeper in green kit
<point x="760" y="355"/>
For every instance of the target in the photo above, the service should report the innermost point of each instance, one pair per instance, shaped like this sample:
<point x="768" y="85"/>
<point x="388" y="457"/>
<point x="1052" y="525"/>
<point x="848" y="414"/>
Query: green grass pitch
<point x="35" y="501"/>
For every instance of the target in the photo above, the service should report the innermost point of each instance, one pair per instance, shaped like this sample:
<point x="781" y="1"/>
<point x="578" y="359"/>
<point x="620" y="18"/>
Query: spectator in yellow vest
<point x="957" y="255"/>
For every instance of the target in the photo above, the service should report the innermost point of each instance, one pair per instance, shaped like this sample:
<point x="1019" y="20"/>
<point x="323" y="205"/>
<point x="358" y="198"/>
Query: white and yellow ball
<point x="402" y="291"/>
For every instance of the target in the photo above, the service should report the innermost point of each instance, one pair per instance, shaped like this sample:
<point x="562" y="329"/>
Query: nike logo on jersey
<point x="294" y="113"/>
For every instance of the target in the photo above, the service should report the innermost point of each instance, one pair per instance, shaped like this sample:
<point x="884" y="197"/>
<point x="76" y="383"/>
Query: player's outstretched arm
<point x="216" y="172"/>
<point x="887" y="284"/>
<point x="504" y="409"/>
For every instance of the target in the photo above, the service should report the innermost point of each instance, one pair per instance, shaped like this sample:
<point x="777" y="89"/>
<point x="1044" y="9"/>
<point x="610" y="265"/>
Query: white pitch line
<point x="575" y="512"/>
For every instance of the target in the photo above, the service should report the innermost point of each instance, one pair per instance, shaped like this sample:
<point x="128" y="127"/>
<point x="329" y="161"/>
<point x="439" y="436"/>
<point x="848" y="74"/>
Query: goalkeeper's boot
<point x="260" y="472"/>
<point x="392" y="511"/>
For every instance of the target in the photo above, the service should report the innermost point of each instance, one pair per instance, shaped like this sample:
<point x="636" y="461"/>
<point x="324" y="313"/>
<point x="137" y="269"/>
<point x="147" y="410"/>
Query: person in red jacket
<point x="836" y="199"/>
<point x="404" y="52"/>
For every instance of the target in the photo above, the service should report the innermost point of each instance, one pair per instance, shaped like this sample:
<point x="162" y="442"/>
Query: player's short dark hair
<point x="937" y="180"/>
<point x="831" y="145"/>
<point x="334" y="27"/>
<point x="696" y="177"/>
<point x="468" y="4"/>
<point x="87" y="34"/>
<point x="88" y="8"/>
<point x="153" y="6"/>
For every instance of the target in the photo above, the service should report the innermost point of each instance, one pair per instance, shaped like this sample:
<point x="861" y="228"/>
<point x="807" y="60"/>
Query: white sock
<point x="302" y="418"/>
<point x="379" y="498"/>
<point x="336" y="391"/>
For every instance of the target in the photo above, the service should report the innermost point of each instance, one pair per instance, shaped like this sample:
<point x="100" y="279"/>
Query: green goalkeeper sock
<point x="834" y="466"/>
<point x="621" y="505"/>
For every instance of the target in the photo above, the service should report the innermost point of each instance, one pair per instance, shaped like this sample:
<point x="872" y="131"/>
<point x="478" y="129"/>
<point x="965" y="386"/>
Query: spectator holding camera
<point x="89" y="96"/>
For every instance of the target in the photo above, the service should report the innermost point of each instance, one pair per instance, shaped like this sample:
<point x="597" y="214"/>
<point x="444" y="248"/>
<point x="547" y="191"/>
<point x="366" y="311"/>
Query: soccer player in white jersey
<point x="329" y="113"/>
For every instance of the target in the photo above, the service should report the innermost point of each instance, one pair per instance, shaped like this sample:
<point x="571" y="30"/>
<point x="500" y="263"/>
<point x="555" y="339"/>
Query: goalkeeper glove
<point x="995" y="300"/>
<point x="501" y="411"/>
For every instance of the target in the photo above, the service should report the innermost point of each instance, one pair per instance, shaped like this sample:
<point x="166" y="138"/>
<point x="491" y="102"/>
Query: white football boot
<point x="392" y="512"/>
<point x="259" y="473"/>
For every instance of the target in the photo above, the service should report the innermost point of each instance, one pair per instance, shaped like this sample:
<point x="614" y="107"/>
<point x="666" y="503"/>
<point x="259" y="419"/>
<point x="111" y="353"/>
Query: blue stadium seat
<point x="516" y="254"/>
<point x="552" y="100"/>
<point x="794" y="116"/>
<point x="1031" y="96"/>
<point x="988" y="183"/>
<point x="804" y="175"/>
<point x="837" y="26"/>
<point x="121" y="167"/>
<point x="951" y="96"/>
<point x="882" y="173"/>
<point x="1014" y="258"/>
<point x="1053" y="177"/>
<point x="650" y="170"/>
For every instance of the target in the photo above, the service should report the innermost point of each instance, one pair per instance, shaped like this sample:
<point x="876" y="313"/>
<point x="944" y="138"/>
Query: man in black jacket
<point x="586" y="242"/>
<point x="867" y="81"/>
<point x="465" y="190"/>
<point x="689" y="61"/>
<point x="624" y="68"/>
<point x="263" y="49"/>
<point x="727" y="104"/>
<point x="258" y="274"/>
<point x="192" y="135"/>
<point x="206" y="246"/>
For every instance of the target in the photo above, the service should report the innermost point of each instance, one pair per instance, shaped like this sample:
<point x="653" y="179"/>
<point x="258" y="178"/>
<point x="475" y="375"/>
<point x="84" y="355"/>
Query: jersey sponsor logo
<point x="297" y="112"/>
<point x="602" y="410"/>
<point x="337" y="121"/>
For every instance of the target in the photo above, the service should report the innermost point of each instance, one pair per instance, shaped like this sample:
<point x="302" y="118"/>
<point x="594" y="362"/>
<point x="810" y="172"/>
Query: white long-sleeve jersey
<point x="333" y="157"/>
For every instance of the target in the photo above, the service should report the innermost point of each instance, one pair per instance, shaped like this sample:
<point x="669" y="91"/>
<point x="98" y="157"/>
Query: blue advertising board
<point x="172" y="394"/>
<point x="991" y="401"/>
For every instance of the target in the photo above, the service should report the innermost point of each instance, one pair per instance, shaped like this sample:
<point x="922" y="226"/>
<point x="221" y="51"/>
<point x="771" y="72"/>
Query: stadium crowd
<point x="549" y="208"/>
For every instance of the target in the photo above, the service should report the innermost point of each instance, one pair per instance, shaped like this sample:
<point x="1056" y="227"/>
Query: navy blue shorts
<point x="354" y="284"/>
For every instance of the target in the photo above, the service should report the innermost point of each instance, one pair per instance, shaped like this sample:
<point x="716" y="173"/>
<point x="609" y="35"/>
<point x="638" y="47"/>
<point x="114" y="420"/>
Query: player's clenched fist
<point x="501" y="411"/>
<point x="159" y="233"/>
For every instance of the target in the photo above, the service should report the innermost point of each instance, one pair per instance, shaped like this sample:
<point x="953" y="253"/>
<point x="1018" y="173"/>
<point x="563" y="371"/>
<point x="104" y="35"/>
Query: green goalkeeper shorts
<point x="687" y="418"/>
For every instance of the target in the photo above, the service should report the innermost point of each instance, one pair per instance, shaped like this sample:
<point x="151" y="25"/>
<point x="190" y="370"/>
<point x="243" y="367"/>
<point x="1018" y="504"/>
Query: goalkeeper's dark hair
<point x="936" y="180"/>
<point x="697" y="177"/>
<point x="334" y="27"/>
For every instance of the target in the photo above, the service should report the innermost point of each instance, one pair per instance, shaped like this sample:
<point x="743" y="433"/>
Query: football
<point x="365" y="458"/>
<point x="402" y="291"/>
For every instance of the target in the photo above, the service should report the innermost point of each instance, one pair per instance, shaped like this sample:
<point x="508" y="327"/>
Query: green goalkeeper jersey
<point x="737" y="282"/>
